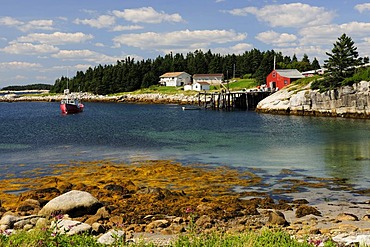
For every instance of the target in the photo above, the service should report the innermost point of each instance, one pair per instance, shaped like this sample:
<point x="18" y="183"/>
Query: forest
<point x="128" y="75"/>
<point x="28" y="87"/>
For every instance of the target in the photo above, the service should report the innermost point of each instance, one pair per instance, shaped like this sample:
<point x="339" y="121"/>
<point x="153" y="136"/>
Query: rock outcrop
<point x="74" y="203"/>
<point x="348" y="101"/>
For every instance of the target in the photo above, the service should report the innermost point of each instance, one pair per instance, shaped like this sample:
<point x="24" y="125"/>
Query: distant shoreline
<point x="150" y="98"/>
<point x="344" y="102"/>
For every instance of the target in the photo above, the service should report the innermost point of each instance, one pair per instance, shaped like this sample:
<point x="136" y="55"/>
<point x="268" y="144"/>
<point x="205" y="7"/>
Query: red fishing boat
<point x="70" y="105"/>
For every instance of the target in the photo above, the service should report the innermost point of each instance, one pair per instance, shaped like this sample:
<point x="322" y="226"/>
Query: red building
<point x="280" y="78"/>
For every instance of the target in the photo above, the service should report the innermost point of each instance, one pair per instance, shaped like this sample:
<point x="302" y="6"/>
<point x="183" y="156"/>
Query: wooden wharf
<point x="223" y="100"/>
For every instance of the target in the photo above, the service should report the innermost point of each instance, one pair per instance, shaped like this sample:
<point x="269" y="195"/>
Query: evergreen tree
<point x="342" y="61"/>
<point x="315" y="64"/>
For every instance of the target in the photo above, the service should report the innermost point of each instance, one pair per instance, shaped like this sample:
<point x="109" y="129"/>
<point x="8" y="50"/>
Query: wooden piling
<point x="231" y="100"/>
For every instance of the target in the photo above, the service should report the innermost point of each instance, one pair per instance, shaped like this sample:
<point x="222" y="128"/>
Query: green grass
<point x="234" y="85"/>
<point x="44" y="238"/>
<point x="305" y="81"/>
<point x="262" y="238"/>
<point x="160" y="89"/>
<point x="238" y="84"/>
<point x="325" y="84"/>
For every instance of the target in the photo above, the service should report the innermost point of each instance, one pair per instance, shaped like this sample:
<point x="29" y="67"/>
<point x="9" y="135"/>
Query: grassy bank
<point x="235" y="84"/>
<point x="264" y="237"/>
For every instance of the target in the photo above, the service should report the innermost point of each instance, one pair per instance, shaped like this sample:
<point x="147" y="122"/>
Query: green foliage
<point x="264" y="238"/>
<point x="162" y="89"/>
<point x="362" y="74"/>
<point x="45" y="238"/>
<point x="128" y="75"/>
<point x="342" y="61"/>
<point x="341" y="66"/>
<point x="243" y="84"/>
<point x="323" y="84"/>
<point x="28" y="87"/>
<point x="306" y="80"/>
<point x="261" y="238"/>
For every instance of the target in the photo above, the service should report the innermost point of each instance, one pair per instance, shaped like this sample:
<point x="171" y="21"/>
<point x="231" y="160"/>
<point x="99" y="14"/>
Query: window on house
<point x="285" y="82"/>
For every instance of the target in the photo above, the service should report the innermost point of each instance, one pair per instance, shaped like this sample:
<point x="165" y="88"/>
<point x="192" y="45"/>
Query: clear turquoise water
<point x="35" y="134"/>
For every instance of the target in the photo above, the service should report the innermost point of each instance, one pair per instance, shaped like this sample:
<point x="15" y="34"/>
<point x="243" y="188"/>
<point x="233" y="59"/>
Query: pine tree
<point x="342" y="61"/>
<point x="315" y="64"/>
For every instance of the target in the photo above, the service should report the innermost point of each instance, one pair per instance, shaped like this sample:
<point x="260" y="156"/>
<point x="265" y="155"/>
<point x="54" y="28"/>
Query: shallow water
<point x="35" y="134"/>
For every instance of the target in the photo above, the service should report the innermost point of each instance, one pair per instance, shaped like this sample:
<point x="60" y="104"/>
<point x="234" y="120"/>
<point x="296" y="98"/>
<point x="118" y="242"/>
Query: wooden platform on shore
<point x="231" y="100"/>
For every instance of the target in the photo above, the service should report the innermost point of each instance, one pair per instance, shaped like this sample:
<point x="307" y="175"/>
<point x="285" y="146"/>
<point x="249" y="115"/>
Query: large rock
<point x="277" y="218"/>
<point x="304" y="210"/>
<point x="7" y="221"/>
<point x="69" y="227"/>
<point x="74" y="203"/>
<point x="111" y="237"/>
<point x="347" y="101"/>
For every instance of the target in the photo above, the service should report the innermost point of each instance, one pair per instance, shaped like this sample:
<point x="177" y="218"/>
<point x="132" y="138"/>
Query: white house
<point x="212" y="79"/>
<point x="201" y="86"/>
<point x="175" y="79"/>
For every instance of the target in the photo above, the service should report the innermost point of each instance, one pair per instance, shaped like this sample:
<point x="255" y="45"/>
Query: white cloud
<point x="312" y="52"/>
<point x="278" y="39"/>
<point x="29" y="49"/>
<point x="37" y="25"/>
<point x="56" y="38"/>
<point x="178" y="39"/>
<point x="288" y="15"/>
<point x="102" y="21"/>
<point x="10" y="21"/>
<point x="120" y="28"/>
<point x="236" y="49"/>
<point x="41" y="78"/>
<point x="20" y="77"/>
<point x="85" y="55"/>
<point x="147" y="15"/>
<point x="27" y="26"/>
<point x="99" y="44"/>
<point x="362" y="7"/>
<point x="19" y="65"/>
<point x="328" y="34"/>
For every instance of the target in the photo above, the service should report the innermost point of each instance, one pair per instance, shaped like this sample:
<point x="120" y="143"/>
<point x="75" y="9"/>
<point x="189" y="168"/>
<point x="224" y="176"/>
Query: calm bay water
<point x="35" y="134"/>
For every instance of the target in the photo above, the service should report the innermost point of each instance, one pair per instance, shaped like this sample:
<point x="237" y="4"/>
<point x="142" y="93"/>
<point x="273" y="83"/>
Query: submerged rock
<point x="304" y="210"/>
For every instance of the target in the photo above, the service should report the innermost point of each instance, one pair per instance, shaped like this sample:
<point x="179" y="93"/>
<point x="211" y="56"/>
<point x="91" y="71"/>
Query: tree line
<point x="129" y="75"/>
<point x="28" y="87"/>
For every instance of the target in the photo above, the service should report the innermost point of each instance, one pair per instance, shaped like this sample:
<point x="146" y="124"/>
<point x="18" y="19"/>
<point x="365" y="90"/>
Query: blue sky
<point x="40" y="40"/>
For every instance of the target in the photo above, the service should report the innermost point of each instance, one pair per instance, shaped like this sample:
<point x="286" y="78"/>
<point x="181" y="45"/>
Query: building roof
<point x="207" y="75"/>
<point x="172" y="74"/>
<point x="202" y="83"/>
<point x="290" y="73"/>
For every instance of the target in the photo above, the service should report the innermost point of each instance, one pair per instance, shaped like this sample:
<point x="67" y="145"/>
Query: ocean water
<point x="36" y="134"/>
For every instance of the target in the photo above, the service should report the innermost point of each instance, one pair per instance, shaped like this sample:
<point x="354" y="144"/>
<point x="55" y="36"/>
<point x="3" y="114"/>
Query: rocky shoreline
<point x="149" y="98"/>
<point x="348" y="101"/>
<point x="160" y="200"/>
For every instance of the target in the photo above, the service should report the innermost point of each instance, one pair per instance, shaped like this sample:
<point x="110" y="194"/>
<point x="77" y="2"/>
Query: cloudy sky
<point x="40" y="40"/>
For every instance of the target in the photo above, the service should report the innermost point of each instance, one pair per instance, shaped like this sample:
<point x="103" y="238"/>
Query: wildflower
<point x="189" y="210"/>
<point x="315" y="242"/>
<point x="59" y="216"/>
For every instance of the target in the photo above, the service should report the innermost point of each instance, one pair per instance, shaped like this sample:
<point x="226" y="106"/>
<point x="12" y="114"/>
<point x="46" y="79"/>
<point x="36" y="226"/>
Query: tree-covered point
<point x="344" y="66"/>
<point x="129" y="75"/>
<point x="28" y="87"/>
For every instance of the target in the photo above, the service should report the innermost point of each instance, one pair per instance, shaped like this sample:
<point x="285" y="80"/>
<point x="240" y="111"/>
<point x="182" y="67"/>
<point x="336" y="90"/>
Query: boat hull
<point x="67" y="108"/>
